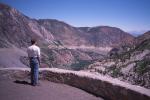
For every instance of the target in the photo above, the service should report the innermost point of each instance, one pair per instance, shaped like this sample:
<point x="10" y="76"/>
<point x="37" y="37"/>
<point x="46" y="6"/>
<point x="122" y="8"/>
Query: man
<point x="34" y="57"/>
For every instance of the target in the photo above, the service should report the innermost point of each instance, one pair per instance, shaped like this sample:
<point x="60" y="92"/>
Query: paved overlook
<point x="14" y="85"/>
<point x="20" y="89"/>
<point x="9" y="90"/>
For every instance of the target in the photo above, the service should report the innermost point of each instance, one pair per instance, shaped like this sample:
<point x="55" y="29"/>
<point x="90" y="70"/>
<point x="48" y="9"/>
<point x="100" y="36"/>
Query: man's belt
<point x="33" y="57"/>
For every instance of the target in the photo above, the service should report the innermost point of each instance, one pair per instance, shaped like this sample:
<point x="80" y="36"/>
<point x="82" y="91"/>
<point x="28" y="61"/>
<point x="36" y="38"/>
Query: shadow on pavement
<point x="22" y="82"/>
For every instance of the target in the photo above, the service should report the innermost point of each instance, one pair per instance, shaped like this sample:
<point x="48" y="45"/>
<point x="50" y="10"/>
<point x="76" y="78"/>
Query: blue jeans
<point x="34" y="64"/>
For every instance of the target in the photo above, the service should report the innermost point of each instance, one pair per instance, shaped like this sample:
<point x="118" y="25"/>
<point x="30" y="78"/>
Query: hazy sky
<point x="129" y="15"/>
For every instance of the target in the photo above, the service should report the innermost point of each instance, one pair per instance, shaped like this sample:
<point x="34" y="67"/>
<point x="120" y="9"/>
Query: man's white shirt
<point x="33" y="51"/>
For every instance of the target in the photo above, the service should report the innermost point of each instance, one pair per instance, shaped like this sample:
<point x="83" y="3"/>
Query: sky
<point x="129" y="15"/>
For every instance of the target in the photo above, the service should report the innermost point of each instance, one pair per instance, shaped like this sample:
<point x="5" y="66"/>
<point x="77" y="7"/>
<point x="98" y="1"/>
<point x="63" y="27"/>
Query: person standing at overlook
<point x="34" y="57"/>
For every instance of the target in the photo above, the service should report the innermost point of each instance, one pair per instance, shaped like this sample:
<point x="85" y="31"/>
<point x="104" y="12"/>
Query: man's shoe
<point x="38" y="84"/>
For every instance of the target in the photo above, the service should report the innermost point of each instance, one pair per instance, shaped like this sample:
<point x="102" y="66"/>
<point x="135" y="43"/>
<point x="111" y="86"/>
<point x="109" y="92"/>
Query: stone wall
<point x="103" y="86"/>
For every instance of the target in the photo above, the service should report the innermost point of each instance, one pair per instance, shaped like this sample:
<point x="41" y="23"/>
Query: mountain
<point x="132" y="66"/>
<point x="62" y="45"/>
<point x="66" y="34"/>
<point x="107" y="36"/>
<point x="143" y="37"/>
<point x="17" y="29"/>
<point x="100" y="36"/>
<point x="21" y="28"/>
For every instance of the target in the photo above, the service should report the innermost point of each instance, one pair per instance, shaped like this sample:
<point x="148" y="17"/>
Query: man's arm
<point x="39" y="56"/>
<point x="39" y="60"/>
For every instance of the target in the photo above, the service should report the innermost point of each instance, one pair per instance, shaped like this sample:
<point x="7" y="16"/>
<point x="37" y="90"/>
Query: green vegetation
<point x="143" y="66"/>
<point x="80" y="64"/>
<point x="144" y="45"/>
<point x="114" y="71"/>
<point x="124" y="56"/>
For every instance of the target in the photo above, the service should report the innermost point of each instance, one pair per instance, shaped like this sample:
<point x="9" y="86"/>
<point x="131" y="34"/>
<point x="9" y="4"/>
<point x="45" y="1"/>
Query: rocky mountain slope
<point x="132" y="66"/>
<point x="17" y="29"/>
<point x="100" y="36"/>
<point x="64" y="33"/>
<point x="142" y="38"/>
<point x="59" y="42"/>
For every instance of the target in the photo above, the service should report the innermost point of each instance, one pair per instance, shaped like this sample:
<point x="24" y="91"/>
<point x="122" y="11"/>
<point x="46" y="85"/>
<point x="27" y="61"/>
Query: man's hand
<point x="39" y="60"/>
